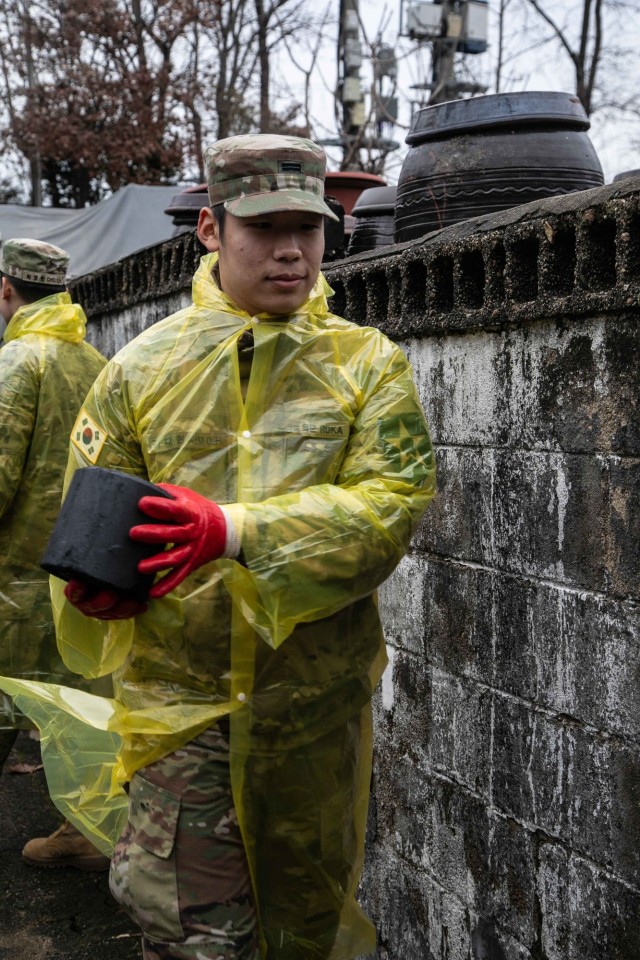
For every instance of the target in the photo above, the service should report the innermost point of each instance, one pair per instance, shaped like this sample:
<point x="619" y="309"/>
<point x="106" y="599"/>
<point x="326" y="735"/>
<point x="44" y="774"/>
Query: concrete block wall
<point x="505" y="821"/>
<point x="505" y="815"/>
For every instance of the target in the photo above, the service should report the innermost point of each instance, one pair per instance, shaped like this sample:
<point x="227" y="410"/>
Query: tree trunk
<point x="264" y="65"/>
<point x="35" y="164"/>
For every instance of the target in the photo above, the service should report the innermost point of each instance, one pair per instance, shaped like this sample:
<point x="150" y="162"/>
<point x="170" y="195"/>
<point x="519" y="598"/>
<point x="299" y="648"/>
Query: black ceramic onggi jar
<point x="477" y="156"/>
<point x="374" y="213"/>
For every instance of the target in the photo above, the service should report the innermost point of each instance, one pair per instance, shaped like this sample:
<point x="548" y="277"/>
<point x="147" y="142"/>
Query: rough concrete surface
<point x="61" y="914"/>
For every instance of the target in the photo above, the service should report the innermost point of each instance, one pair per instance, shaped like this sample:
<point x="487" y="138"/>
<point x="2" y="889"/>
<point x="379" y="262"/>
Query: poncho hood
<point x="54" y="316"/>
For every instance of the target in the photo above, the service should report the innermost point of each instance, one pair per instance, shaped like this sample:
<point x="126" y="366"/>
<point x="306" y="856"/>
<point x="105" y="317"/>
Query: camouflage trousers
<point x="179" y="869"/>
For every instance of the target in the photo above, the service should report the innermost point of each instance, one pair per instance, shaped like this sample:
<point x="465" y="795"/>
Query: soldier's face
<point x="268" y="263"/>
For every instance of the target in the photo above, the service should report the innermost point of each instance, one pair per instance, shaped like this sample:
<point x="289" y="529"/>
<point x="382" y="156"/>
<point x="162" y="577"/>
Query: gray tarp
<point x="125" y="222"/>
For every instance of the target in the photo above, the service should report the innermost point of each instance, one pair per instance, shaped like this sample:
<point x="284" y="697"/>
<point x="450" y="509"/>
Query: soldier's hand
<point x="101" y="604"/>
<point x="196" y="526"/>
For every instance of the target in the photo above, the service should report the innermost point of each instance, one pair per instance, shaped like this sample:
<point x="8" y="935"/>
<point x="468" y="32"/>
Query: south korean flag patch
<point x="88" y="437"/>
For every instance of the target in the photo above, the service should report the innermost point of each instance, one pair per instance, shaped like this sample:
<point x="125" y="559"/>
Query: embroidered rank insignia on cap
<point x="88" y="437"/>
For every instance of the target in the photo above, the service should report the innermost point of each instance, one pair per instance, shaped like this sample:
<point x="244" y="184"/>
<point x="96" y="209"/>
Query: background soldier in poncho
<point x="46" y="369"/>
<point x="297" y="452"/>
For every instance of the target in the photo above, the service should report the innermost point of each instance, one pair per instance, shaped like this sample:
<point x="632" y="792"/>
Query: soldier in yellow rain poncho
<point x="298" y="454"/>
<point x="46" y="368"/>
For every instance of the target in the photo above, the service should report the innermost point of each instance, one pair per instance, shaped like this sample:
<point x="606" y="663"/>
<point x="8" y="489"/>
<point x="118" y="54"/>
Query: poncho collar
<point x="207" y="293"/>
<point x="54" y="316"/>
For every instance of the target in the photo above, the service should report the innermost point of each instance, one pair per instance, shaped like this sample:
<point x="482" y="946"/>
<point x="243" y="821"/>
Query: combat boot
<point x="66" y="847"/>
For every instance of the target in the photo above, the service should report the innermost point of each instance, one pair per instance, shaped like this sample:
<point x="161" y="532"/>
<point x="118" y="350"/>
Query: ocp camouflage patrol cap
<point x="265" y="173"/>
<point x="34" y="261"/>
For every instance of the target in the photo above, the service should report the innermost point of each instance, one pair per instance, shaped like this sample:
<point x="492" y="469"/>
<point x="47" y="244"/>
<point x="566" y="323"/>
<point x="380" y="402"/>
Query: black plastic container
<point x="626" y="175"/>
<point x="374" y="219"/>
<point x="90" y="540"/>
<point x="474" y="157"/>
<point x="185" y="208"/>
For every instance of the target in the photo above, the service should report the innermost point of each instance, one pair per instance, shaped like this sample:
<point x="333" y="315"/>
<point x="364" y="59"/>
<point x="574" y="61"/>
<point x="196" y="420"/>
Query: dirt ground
<point x="61" y="914"/>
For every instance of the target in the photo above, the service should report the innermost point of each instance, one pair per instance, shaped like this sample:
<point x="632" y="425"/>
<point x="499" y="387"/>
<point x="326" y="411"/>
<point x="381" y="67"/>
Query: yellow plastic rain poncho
<point x="326" y="465"/>
<point x="46" y="369"/>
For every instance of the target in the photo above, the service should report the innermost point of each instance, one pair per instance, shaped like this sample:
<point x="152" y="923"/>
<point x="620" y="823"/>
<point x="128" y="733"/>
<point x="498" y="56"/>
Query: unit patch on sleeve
<point x="88" y="437"/>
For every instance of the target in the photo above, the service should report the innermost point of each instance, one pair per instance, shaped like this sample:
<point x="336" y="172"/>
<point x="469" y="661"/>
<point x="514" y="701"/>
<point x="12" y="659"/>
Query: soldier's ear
<point x="7" y="289"/>
<point x="208" y="230"/>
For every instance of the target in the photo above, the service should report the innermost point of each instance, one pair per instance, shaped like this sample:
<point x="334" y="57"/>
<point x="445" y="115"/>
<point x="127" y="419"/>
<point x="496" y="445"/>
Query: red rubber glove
<point x="196" y="524"/>
<point x="101" y="604"/>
